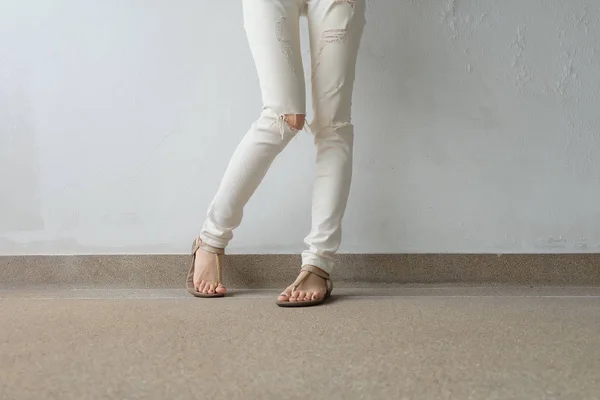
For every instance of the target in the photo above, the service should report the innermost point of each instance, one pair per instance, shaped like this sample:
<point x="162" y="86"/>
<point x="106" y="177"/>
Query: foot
<point x="313" y="288"/>
<point x="205" y="273"/>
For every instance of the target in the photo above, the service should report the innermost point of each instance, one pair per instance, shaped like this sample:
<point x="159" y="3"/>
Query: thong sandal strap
<point x="305" y="271"/>
<point x="315" y="270"/>
<point x="219" y="275"/>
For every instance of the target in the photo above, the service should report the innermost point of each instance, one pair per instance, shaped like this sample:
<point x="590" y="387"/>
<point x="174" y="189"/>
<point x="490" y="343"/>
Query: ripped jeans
<point x="272" y="28"/>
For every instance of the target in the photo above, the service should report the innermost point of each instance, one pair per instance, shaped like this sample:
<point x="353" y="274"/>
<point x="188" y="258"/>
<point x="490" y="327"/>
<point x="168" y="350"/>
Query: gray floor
<point x="417" y="342"/>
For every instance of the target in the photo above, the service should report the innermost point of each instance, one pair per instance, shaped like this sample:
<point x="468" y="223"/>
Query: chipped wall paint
<point x="477" y="128"/>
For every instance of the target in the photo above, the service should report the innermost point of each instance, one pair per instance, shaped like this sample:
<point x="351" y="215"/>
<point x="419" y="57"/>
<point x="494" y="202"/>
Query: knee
<point x="295" y="121"/>
<point x="335" y="132"/>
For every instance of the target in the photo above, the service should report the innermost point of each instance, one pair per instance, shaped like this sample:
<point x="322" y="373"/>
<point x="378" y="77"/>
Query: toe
<point x="298" y="296"/>
<point x="220" y="289"/>
<point x="207" y="288"/>
<point x="211" y="287"/>
<point x="202" y="286"/>
<point x="308" y="296"/>
<point x="285" y="296"/>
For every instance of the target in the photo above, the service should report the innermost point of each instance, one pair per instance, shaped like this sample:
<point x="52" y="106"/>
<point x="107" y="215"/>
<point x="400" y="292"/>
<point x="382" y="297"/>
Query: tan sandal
<point x="198" y="244"/>
<point x="305" y="271"/>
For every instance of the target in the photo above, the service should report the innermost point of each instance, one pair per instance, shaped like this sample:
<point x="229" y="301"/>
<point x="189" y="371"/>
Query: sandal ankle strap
<point x="199" y="244"/>
<point x="315" y="270"/>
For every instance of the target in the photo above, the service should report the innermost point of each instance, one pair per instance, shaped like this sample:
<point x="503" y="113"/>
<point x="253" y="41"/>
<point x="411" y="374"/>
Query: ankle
<point x="207" y="248"/>
<point x="314" y="270"/>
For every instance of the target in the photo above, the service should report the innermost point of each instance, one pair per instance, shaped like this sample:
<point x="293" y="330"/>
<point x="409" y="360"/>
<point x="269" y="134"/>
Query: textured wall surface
<point x="477" y="128"/>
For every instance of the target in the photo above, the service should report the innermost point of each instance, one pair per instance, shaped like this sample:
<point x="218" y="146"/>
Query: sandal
<point x="305" y="271"/>
<point x="198" y="244"/>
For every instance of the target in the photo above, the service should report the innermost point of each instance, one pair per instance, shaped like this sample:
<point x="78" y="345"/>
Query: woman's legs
<point x="272" y="28"/>
<point x="335" y="28"/>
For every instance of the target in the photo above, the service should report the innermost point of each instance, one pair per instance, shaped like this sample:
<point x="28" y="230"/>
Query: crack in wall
<point x="449" y="17"/>
<point x="523" y="74"/>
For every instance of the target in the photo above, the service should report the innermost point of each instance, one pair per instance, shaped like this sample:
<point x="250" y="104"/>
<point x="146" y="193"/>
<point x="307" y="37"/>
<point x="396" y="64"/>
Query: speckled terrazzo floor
<point x="420" y="342"/>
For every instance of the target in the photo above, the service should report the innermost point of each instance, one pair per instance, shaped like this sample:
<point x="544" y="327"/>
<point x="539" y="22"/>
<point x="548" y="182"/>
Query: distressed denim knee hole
<point x="295" y="121"/>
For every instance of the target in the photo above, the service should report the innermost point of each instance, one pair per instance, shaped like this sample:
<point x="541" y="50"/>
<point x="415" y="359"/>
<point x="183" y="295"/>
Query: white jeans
<point x="272" y="27"/>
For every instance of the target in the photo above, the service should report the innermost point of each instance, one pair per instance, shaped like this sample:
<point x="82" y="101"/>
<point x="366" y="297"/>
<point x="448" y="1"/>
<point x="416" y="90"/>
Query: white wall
<point x="477" y="128"/>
